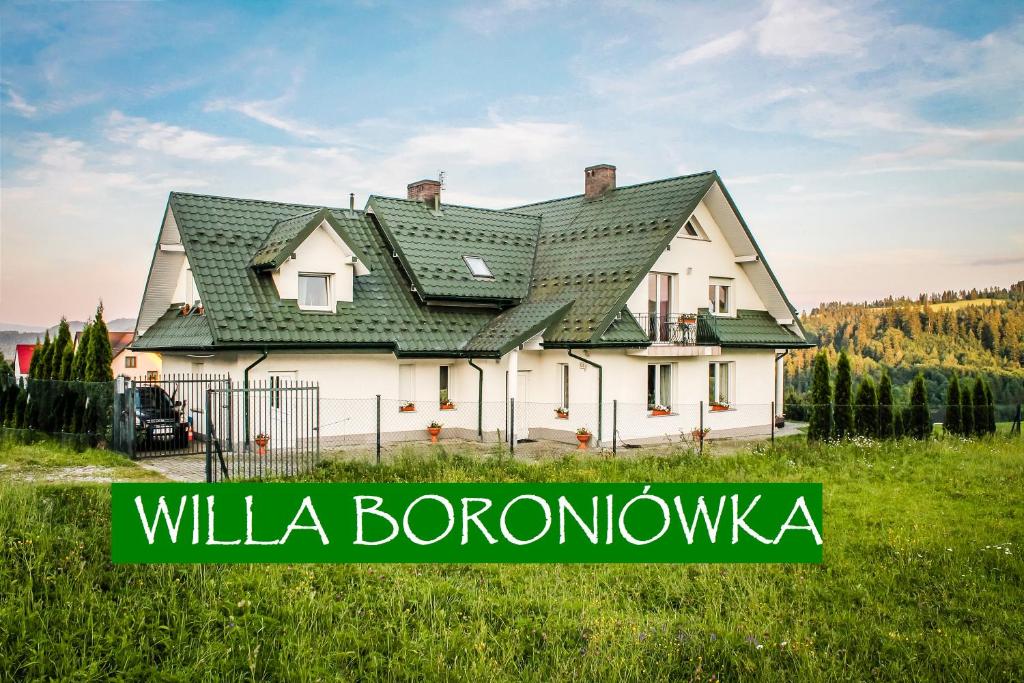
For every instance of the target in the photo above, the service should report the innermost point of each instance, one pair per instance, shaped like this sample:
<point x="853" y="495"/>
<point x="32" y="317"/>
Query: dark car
<point x="158" y="420"/>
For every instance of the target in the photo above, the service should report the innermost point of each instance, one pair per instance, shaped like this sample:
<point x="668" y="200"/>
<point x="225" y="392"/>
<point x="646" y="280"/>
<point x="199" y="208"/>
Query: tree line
<point x="67" y="389"/>
<point x="838" y="412"/>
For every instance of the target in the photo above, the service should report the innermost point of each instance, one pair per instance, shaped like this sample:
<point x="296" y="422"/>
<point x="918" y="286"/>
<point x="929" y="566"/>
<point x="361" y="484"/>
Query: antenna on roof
<point x="441" y="175"/>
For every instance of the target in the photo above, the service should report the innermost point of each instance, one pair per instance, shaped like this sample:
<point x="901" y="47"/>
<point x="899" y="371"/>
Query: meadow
<point x="922" y="580"/>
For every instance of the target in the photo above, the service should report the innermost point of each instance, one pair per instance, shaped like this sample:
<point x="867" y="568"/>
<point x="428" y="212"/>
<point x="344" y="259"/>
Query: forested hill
<point x="969" y="332"/>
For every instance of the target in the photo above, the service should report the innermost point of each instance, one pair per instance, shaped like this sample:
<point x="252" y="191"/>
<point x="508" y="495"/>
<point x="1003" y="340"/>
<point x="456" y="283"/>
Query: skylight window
<point x="477" y="266"/>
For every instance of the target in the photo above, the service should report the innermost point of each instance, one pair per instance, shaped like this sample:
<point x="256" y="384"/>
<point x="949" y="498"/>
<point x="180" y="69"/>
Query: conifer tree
<point x="67" y="360"/>
<point x="966" y="411"/>
<point x="980" y="407"/>
<point x="21" y="407"/>
<point x="821" y="400"/>
<point x="899" y="426"/>
<point x="81" y="353"/>
<point x="920" y="419"/>
<point x="990" y="410"/>
<point x="886" y="410"/>
<point x="953" y="423"/>
<point x="41" y="360"/>
<point x="866" y="415"/>
<point x="843" y="413"/>
<point x="60" y="343"/>
<point x="100" y="356"/>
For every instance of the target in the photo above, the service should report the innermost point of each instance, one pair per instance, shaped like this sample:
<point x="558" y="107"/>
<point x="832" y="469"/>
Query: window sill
<point x="668" y="415"/>
<point x="726" y="410"/>
<point x="318" y="309"/>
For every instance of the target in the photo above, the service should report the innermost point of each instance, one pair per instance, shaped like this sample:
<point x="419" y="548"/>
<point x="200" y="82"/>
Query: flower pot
<point x="660" y="413"/>
<point x="561" y="416"/>
<point x="584" y="439"/>
<point x="433" y="431"/>
<point x="447" y="406"/>
<point x="715" y="408"/>
<point x="780" y="422"/>
<point x="261" y="446"/>
<point x="407" y="409"/>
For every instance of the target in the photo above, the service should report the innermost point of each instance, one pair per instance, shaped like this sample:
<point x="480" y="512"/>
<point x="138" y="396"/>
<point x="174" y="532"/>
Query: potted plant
<point x="185" y="308"/>
<point x="561" y="413"/>
<point x="583" y="436"/>
<point x="407" y="407"/>
<point x="262" y="440"/>
<point x="659" y="410"/>
<point x="434" y="429"/>
<point x="446" y="403"/>
<point x="688" y="319"/>
<point x="700" y="434"/>
<point x="780" y="421"/>
<point x="719" y="406"/>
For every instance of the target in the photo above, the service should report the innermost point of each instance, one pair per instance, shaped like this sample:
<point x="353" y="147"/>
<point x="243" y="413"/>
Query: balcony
<point x="684" y="329"/>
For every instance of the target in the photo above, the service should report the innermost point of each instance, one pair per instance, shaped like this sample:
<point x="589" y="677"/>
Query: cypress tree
<point x="21" y="407"/>
<point x="920" y="420"/>
<point x="966" y="412"/>
<point x="97" y="365"/>
<point x="67" y="360"/>
<point x="899" y="427"/>
<point x="62" y="341"/>
<point x="33" y="368"/>
<point x="886" y="410"/>
<point x="843" y="414"/>
<point x="41" y="360"/>
<point x="953" y="423"/>
<point x="980" y="409"/>
<point x="821" y="400"/>
<point x="990" y="410"/>
<point x="81" y="353"/>
<point x="866" y="415"/>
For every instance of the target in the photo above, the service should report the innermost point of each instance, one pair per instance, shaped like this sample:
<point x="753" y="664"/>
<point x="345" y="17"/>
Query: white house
<point x="650" y="306"/>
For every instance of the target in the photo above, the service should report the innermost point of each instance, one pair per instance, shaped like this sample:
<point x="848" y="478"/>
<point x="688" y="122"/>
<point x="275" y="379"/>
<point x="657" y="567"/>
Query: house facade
<point x="125" y="361"/>
<point x="649" y="307"/>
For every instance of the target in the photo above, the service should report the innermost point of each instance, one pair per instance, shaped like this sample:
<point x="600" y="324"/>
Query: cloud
<point x="718" y="47"/>
<point x="999" y="261"/>
<point x="800" y="29"/>
<point x="16" y="102"/>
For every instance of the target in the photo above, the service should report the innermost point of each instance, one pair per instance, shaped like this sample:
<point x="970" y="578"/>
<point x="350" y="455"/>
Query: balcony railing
<point x="676" y="328"/>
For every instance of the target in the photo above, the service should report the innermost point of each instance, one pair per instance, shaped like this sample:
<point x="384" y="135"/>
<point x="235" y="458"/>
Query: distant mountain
<point x="12" y="334"/>
<point x="969" y="333"/>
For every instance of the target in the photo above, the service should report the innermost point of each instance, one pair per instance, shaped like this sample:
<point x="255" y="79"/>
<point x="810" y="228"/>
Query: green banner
<point x="479" y="522"/>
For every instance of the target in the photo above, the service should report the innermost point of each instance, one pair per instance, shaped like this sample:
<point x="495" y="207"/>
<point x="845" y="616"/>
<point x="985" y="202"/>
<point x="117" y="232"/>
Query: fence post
<point x="512" y="426"/>
<point x="702" y="427"/>
<point x="1016" y="427"/>
<point x="773" y="422"/>
<point x="615" y="424"/>
<point x="378" y="429"/>
<point x="209" y="436"/>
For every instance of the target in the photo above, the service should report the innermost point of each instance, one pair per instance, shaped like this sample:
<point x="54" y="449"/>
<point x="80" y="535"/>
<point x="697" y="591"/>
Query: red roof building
<point x="23" y="359"/>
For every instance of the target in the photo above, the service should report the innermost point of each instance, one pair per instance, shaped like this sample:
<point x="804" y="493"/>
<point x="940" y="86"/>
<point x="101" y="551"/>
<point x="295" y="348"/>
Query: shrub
<point x="886" y="417"/>
<point x="980" y="408"/>
<point x="953" y="423"/>
<point x="966" y="411"/>
<point x="920" y="421"/>
<point x="842" y="419"/>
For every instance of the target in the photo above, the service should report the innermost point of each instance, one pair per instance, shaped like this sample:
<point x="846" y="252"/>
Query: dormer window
<point x="314" y="292"/>
<point x="478" y="267"/>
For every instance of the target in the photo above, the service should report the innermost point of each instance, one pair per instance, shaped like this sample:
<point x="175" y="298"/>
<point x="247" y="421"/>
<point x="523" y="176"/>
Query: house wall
<point x="703" y="259"/>
<point x="144" y="364"/>
<point x="348" y="384"/>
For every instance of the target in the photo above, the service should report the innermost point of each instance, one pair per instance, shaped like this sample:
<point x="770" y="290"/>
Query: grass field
<point x="922" y="579"/>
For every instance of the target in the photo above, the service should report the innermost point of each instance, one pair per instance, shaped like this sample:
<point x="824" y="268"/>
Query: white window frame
<point x="277" y="379"/>
<point x="444" y="377"/>
<point x="656" y="326"/>
<point x="717" y="284"/>
<point x="329" y="277"/>
<point x="563" y="385"/>
<point x="701" y="234"/>
<point x="714" y="382"/>
<point x="478" y="267"/>
<point x="407" y="382"/>
<point x="658" y="385"/>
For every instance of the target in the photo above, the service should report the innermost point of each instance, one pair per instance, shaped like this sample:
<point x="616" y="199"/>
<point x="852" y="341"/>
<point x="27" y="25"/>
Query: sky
<point x="874" y="148"/>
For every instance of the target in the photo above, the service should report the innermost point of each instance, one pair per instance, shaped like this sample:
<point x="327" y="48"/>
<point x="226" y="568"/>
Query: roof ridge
<point x="457" y="206"/>
<point x="315" y="207"/>
<point x="622" y="187"/>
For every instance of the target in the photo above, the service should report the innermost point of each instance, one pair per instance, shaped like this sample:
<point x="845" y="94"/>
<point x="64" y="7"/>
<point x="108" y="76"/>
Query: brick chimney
<point x="599" y="179"/>
<point x="425" y="191"/>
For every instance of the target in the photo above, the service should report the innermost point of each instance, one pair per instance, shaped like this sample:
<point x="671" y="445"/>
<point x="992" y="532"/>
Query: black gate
<point x="263" y="430"/>
<point x="165" y="416"/>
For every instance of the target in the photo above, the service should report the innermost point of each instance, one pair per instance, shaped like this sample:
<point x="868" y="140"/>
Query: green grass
<point x="43" y="460"/>
<point x="922" y="579"/>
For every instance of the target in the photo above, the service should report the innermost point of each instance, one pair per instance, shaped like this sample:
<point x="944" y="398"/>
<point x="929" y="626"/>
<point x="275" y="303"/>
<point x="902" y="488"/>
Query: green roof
<point x="288" y="233"/>
<point x="564" y="268"/>
<point x="432" y="246"/>
<point x="747" y="329"/>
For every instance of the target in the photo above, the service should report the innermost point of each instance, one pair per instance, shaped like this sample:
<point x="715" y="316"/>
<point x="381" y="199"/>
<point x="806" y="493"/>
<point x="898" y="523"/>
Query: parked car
<point x="159" y="421"/>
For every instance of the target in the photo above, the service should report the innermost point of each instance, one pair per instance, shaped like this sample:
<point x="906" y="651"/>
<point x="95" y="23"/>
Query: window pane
<point x="665" y="390"/>
<point x="712" y="298"/>
<point x="313" y="290"/>
<point x="477" y="266"/>
<point x="565" y="385"/>
<point x="723" y="382"/>
<point x="406" y="383"/>
<point x="723" y="299"/>
<point x="712" y="392"/>
<point x="651" y="385"/>
<point x="443" y="395"/>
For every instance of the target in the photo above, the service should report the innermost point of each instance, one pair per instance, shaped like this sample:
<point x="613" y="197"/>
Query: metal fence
<point x="261" y="430"/>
